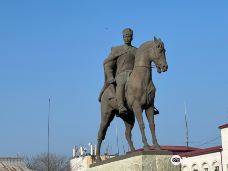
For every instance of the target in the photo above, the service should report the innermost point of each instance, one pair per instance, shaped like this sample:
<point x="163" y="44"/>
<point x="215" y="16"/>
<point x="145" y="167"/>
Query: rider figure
<point x="118" y="67"/>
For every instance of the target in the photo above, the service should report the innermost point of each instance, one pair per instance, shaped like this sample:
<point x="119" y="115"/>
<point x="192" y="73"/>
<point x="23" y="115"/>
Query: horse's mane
<point x="145" y="45"/>
<point x="149" y="44"/>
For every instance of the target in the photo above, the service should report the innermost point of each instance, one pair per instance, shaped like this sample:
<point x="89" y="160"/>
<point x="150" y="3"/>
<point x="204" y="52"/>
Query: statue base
<point x="137" y="161"/>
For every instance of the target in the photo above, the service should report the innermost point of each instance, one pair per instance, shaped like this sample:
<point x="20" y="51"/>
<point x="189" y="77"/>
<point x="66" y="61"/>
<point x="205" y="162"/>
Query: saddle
<point x="111" y="93"/>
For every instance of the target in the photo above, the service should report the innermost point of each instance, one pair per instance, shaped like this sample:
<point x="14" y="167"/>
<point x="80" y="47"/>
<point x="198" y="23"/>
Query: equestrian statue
<point x="128" y="89"/>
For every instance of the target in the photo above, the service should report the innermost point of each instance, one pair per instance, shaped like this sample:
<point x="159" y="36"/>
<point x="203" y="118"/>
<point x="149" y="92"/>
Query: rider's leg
<point x="120" y="92"/>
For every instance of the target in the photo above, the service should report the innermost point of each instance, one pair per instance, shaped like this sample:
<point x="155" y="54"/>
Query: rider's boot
<point x="122" y="109"/>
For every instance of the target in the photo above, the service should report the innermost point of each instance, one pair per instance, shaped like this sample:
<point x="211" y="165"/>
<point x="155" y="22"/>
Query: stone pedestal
<point x="137" y="161"/>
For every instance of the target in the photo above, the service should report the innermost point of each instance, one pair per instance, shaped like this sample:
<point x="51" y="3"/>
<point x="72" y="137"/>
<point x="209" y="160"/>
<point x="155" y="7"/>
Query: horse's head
<point x="158" y="55"/>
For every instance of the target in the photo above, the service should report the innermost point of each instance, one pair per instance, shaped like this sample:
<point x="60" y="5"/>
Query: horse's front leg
<point x="150" y="118"/>
<point x="138" y="113"/>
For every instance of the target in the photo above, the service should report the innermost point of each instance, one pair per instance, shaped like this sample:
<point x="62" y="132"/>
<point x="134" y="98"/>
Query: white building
<point x="193" y="159"/>
<point x="209" y="159"/>
<point x="224" y="134"/>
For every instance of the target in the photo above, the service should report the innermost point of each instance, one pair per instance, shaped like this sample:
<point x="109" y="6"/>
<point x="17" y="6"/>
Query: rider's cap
<point x="127" y="31"/>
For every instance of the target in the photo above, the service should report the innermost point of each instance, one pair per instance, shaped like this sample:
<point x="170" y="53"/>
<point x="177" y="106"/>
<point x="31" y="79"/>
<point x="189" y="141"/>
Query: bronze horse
<point x="140" y="94"/>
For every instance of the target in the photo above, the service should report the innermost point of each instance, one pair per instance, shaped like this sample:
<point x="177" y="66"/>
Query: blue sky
<point x="55" y="49"/>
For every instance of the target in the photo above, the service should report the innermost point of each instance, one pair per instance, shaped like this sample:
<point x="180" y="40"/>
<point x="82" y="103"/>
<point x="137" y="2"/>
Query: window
<point x="205" y="167"/>
<point x="195" y="167"/>
<point x="185" y="168"/>
<point x="216" y="168"/>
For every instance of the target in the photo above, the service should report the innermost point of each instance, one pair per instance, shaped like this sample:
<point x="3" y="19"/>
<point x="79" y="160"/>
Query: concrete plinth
<point x="137" y="161"/>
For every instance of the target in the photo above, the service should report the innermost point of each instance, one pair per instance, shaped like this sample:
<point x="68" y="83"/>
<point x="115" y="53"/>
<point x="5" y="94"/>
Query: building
<point x="82" y="159"/>
<point x="12" y="164"/>
<point x="81" y="163"/>
<point x="208" y="159"/>
<point x="192" y="159"/>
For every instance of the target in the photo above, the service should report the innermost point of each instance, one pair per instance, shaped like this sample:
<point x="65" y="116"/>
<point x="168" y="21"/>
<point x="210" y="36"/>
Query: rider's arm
<point x="109" y="70"/>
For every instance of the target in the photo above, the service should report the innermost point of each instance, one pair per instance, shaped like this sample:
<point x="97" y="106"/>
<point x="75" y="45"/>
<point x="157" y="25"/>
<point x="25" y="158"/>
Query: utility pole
<point x="227" y="112"/>
<point x="186" y="125"/>
<point x="49" y="107"/>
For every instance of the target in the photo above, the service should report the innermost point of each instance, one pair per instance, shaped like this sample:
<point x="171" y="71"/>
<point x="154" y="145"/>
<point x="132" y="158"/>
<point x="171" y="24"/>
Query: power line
<point x="209" y="141"/>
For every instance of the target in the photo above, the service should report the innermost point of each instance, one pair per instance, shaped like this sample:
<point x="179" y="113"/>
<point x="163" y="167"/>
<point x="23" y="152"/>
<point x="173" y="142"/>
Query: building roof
<point x="202" y="151"/>
<point x="175" y="149"/>
<point x="12" y="164"/>
<point x="223" y="126"/>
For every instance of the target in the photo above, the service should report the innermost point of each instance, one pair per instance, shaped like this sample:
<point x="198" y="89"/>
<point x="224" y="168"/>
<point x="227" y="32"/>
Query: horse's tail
<point x="102" y="91"/>
<point x="111" y="91"/>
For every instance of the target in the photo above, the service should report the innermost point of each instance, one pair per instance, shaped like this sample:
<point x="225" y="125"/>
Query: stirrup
<point x="122" y="109"/>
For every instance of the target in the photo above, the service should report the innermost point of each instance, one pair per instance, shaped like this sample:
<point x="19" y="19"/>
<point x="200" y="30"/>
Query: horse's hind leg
<point x="150" y="118"/>
<point x="106" y="119"/>
<point x="129" y="121"/>
<point x="138" y="113"/>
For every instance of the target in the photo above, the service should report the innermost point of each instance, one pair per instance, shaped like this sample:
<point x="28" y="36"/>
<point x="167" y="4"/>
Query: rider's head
<point x="127" y="36"/>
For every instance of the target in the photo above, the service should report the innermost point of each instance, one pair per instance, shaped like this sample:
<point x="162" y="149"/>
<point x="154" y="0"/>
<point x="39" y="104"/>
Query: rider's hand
<point x="111" y="81"/>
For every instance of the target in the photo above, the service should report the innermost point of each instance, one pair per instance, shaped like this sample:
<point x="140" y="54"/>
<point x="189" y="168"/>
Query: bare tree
<point x="40" y="162"/>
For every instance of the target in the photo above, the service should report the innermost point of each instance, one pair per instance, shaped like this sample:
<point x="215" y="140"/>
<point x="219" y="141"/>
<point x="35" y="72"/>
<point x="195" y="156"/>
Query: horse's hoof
<point x="157" y="147"/>
<point x="132" y="150"/>
<point x="146" y="148"/>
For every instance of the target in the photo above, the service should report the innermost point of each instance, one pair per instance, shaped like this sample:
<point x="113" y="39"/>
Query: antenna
<point x="81" y="151"/>
<point x="123" y="147"/>
<point x="49" y="107"/>
<point x="117" y="141"/>
<point x="110" y="148"/>
<point x="107" y="148"/>
<point x="227" y="112"/>
<point x="75" y="149"/>
<point x="186" y="124"/>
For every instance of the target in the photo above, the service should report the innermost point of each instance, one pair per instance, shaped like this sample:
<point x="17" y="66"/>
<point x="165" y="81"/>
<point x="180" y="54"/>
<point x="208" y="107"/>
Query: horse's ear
<point x="155" y="39"/>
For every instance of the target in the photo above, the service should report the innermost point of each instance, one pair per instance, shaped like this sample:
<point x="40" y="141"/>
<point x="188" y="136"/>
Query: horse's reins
<point x="149" y="67"/>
